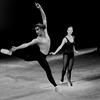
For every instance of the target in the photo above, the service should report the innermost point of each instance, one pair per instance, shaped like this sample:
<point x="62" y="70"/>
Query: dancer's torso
<point x="44" y="44"/>
<point x="69" y="44"/>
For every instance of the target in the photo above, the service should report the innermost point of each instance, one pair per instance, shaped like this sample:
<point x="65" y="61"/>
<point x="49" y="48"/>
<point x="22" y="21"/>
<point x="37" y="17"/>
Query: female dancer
<point x="68" y="55"/>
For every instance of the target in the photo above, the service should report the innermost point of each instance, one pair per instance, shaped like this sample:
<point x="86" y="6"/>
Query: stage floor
<point x="20" y="80"/>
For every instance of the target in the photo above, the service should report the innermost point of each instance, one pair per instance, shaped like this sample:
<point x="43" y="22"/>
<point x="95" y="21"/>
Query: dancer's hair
<point x="41" y="26"/>
<point x="70" y="28"/>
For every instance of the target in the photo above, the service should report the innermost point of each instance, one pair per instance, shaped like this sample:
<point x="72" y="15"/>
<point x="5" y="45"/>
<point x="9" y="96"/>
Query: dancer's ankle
<point x="60" y="82"/>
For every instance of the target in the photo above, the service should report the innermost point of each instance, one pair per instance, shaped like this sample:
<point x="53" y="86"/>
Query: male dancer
<point x="43" y="42"/>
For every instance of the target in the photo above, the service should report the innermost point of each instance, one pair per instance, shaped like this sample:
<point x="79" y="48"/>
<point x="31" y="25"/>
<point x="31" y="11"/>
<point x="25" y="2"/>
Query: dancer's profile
<point x="43" y="41"/>
<point x="68" y="55"/>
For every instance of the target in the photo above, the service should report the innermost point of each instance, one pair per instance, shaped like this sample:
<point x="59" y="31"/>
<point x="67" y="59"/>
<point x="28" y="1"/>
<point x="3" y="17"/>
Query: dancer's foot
<point x="70" y="83"/>
<point x="56" y="88"/>
<point x="6" y="51"/>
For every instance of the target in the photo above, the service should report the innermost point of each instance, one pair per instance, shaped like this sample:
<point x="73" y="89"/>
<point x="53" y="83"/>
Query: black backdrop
<point x="17" y="17"/>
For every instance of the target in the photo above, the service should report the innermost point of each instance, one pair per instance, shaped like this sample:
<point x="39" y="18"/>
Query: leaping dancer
<point x="43" y="41"/>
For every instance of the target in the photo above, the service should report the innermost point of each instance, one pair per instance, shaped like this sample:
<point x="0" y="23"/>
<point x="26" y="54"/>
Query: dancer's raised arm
<point x="42" y="14"/>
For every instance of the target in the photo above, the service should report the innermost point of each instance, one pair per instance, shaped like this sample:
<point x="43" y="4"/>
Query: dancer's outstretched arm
<point x="24" y="45"/>
<point x="60" y="47"/>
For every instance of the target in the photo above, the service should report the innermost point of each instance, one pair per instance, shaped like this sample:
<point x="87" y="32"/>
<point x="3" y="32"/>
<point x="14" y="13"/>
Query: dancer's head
<point x="70" y="30"/>
<point x="39" y="28"/>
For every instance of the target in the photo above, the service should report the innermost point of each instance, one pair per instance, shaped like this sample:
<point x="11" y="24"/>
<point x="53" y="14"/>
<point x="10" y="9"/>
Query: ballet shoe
<point x="70" y="83"/>
<point x="56" y="89"/>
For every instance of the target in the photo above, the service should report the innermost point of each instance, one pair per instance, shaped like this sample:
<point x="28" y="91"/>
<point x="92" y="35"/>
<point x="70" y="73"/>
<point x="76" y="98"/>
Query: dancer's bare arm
<point x="34" y="41"/>
<point x="75" y="50"/>
<point x="43" y="17"/>
<point x="60" y="47"/>
<point x="74" y="46"/>
<point x="42" y="14"/>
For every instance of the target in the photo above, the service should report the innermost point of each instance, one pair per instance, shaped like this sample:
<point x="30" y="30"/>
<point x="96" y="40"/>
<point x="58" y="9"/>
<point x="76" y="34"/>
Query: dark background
<point x="17" y="17"/>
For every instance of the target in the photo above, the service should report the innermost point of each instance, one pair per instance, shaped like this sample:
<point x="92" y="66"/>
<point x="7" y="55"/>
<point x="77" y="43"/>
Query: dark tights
<point x="44" y="64"/>
<point x="68" y="61"/>
<point x="36" y="55"/>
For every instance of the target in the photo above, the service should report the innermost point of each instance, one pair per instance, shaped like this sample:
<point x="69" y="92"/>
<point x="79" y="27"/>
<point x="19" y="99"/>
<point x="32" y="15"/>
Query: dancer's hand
<point x="38" y="5"/>
<point x="52" y="53"/>
<point x="76" y="51"/>
<point x="13" y="48"/>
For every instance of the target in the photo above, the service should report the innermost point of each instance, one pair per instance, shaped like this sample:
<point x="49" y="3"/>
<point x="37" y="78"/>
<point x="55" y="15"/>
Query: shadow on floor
<point x="91" y="78"/>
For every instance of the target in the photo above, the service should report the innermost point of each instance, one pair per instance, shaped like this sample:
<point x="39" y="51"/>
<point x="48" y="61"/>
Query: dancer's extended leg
<point x="43" y="62"/>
